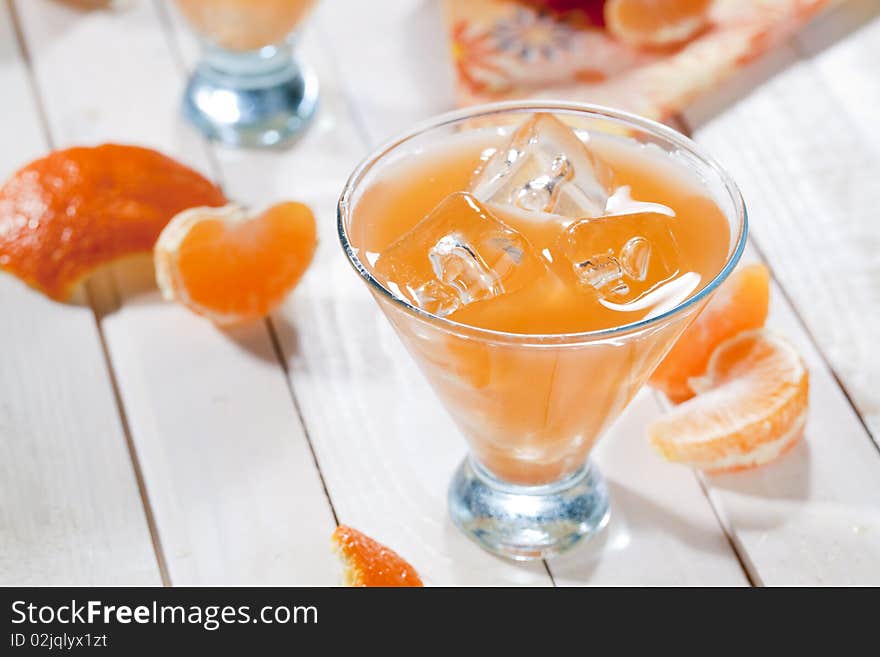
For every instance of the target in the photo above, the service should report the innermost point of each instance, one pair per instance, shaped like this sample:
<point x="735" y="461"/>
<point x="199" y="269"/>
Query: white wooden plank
<point x="813" y="517"/>
<point x="411" y="445"/>
<point x="806" y="157"/>
<point x="805" y="148"/>
<point x="227" y="467"/>
<point x="394" y="59"/>
<point x="844" y="47"/>
<point x="70" y="510"/>
<point x="387" y="472"/>
<point x="662" y="531"/>
<point x="386" y="447"/>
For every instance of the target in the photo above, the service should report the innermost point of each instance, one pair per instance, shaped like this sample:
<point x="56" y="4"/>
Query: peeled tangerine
<point x="233" y="266"/>
<point x="369" y="563"/>
<point x="741" y="303"/>
<point x="64" y="215"/>
<point x="751" y="407"/>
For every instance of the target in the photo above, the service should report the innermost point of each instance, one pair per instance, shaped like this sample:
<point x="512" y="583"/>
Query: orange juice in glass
<point x="249" y="89"/>
<point x="538" y="261"/>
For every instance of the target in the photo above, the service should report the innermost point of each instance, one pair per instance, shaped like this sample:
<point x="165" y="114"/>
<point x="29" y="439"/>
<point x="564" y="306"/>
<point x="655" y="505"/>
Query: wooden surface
<point x="141" y="445"/>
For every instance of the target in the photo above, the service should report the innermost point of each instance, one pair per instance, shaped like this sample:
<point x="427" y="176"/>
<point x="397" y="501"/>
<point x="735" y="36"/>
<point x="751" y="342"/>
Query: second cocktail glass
<point x="249" y="89"/>
<point x="532" y="406"/>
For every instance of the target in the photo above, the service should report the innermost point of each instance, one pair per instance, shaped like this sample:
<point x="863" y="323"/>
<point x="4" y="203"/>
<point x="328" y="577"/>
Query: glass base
<point x="527" y="522"/>
<point x="260" y="99"/>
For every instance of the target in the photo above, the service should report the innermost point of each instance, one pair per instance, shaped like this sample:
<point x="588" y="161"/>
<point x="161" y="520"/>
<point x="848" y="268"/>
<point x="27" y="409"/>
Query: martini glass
<point x="248" y="89"/>
<point x="531" y="407"/>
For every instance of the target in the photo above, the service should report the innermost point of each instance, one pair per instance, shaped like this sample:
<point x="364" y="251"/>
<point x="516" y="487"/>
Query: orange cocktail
<point x="245" y="24"/>
<point x="538" y="265"/>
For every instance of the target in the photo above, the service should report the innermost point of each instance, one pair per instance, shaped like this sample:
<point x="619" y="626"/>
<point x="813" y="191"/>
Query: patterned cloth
<point x="504" y="49"/>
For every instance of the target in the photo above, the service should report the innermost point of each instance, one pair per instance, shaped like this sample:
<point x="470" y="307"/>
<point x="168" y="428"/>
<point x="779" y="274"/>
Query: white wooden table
<point x="139" y="445"/>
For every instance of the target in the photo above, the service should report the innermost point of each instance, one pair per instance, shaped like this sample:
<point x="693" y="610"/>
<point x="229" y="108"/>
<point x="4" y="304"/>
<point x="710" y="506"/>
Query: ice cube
<point x="603" y="273"/>
<point x="661" y="298"/>
<point x="635" y="256"/>
<point x="459" y="254"/>
<point x="546" y="167"/>
<point x="619" y="256"/>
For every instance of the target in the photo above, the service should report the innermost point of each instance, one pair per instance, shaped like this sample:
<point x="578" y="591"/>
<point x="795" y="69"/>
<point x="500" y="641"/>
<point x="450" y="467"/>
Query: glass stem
<point x="267" y="66"/>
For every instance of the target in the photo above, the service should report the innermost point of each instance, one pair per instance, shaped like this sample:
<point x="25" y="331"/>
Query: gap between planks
<point x="129" y="442"/>
<point x="681" y="123"/>
<point x="155" y="539"/>
<point x="346" y="107"/>
<point x="677" y="122"/>
<point x="217" y="174"/>
<point x="32" y="78"/>
<point x="279" y="354"/>
<point x="369" y="142"/>
<point x="684" y="126"/>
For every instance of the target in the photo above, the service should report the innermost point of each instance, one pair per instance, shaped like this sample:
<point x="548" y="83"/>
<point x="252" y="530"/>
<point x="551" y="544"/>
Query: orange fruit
<point x="232" y="266"/>
<point x="591" y="10"/>
<point x="751" y="408"/>
<point x="369" y="563"/>
<point x="656" y="23"/>
<point x="64" y="215"/>
<point x="739" y="304"/>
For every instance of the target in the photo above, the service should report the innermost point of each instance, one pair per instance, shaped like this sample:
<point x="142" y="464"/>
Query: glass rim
<point x="655" y="128"/>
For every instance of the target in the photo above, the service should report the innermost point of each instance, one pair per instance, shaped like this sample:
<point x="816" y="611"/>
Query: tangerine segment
<point x="369" y="563"/>
<point x="232" y="266"/>
<point x="739" y="304"/>
<point x="66" y="214"/>
<point x="656" y="23"/>
<point x="751" y="408"/>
